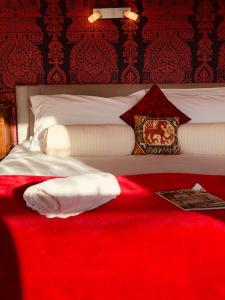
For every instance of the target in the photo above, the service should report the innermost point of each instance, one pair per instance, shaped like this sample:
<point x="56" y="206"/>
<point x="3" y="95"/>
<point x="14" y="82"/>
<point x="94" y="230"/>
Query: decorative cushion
<point x="154" y="104"/>
<point x="88" y="140"/>
<point x="204" y="139"/>
<point x="156" y="135"/>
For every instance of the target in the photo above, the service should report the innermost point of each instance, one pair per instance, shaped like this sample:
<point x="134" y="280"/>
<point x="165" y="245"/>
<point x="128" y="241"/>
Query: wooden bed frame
<point x="25" y="117"/>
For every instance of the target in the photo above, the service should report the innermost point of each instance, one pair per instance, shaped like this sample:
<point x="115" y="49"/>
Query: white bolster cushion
<point x="206" y="139"/>
<point x="88" y="140"/>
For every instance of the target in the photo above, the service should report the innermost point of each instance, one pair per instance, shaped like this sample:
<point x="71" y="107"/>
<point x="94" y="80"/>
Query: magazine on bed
<point x="196" y="198"/>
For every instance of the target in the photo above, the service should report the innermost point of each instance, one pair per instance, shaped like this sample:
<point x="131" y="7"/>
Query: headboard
<point x="25" y="119"/>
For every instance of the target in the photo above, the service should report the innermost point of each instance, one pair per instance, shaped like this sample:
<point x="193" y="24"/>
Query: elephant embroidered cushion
<point x="154" y="104"/>
<point x="156" y="135"/>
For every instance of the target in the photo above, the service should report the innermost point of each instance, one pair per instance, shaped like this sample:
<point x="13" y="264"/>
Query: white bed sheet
<point x="21" y="161"/>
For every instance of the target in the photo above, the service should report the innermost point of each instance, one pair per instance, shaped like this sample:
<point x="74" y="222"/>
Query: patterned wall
<point x="51" y="41"/>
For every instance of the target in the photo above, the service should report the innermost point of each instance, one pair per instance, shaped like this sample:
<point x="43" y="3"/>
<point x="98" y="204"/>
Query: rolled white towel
<point x="65" y="197"/>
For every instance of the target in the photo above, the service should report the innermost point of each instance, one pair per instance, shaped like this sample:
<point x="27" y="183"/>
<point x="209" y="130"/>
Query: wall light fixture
<point x="112" y="13"/>
<point x="95" y="16"/>
<point x="130" y="15"/>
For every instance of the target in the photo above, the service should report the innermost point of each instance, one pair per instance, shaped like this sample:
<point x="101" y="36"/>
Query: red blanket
<point x="138" y="246"/>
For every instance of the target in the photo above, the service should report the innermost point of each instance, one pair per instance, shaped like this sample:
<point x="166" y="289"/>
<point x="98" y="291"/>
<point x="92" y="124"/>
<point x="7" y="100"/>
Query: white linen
<point x="88" y="140"/>
<point x="202" y="105"/>
<point x="62" y="109"/>
<point x="205" y="138"/>
<point x="22" y="161"/>
<point x="65" y="197"/>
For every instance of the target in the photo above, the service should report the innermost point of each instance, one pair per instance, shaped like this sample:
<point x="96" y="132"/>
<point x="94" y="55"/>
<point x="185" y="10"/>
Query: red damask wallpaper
<point x="51" y="41"/>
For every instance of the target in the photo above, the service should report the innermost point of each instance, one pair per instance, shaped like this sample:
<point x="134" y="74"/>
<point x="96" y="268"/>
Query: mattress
<point x="22" y="161"/>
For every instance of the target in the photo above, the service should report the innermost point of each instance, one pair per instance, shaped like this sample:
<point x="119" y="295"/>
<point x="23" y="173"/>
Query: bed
<point x="138" y="246"/>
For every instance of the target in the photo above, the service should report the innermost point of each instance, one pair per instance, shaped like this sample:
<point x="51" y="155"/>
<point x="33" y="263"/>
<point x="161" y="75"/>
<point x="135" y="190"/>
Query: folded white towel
<point x="65" y="197"/>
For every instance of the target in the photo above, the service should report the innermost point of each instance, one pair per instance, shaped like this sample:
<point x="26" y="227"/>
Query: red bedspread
<point x="138" y="246"/>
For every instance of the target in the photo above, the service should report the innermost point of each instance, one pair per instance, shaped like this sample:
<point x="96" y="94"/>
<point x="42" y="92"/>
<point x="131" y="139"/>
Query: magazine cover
<point x="196" y="198"/>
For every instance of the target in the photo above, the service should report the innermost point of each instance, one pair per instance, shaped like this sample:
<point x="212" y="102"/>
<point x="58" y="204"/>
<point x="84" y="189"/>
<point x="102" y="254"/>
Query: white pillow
<point x="205" y="139"/>
<point x="50" y="110"/>
<point x="88" y="140"/>
<point x="202" y="105"/>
